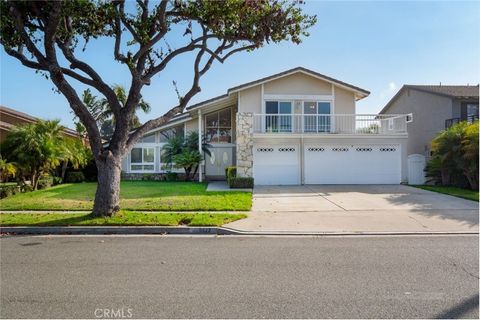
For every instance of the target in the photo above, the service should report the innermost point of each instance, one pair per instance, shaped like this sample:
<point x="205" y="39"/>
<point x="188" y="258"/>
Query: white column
<point x="200" y="178"/>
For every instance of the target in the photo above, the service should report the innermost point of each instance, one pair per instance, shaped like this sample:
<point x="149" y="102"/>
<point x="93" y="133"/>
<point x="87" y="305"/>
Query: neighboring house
<point x="434" y="108"/>
<point x="294" y="127"/>
<point x="10" y="118"/>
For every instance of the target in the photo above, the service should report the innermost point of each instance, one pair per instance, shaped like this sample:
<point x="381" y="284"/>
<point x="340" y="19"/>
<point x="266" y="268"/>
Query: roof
<point x="27" y="118"/>
<point x="464" y="92"/>
<point x="295" y="70"/>
<point x="361" y="92"/>
<point x="451" y="91"/>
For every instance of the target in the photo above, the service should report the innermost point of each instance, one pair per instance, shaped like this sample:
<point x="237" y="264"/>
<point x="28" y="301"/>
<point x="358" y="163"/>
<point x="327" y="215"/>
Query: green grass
<point x="453" y="191"/>
<point x="123" y="218"/>
<point x="135" y="195"/>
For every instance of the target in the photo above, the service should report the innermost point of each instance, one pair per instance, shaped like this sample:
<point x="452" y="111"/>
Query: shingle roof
<point x="458" y="92"/>
<point x="453" y="91"/>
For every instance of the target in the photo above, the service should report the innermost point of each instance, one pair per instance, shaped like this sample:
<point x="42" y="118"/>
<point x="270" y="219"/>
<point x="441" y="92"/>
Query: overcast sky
<point x="378" y="46"/>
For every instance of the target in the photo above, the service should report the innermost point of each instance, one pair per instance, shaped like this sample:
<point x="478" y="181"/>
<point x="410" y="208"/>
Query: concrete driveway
<point x="357" y="208"/>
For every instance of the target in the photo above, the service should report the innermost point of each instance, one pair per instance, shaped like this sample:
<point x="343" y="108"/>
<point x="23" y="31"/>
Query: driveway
<point x="357" y="208"/>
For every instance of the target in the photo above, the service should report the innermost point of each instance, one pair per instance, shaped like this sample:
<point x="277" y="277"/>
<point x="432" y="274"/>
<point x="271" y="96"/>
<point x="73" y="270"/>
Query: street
<point x="239" y="277"/>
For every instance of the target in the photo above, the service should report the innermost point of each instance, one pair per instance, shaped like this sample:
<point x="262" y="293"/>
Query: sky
<point x="378" y="46"/>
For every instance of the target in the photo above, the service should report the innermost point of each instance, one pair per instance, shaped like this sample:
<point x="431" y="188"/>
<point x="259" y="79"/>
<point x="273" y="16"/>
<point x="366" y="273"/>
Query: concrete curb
<point x="146" y="230"/>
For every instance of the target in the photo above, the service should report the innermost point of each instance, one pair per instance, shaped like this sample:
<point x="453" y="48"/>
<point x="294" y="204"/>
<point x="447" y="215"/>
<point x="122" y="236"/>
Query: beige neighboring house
<point x="434" y="108"/>
<point x="294" y="127"/>
<point x="10" y="118"/>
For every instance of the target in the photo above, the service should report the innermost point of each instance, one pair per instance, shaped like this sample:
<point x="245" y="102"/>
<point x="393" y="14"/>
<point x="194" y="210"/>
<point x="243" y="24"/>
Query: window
<point x="218" y="126"/>
<point x="175" y="131"/>
<point x="316" y="116"/>
<point x="278" y="116"/>
<point x="148" y="139"/>
<point x="472" y="110"/>
<point x="142" y="159"/>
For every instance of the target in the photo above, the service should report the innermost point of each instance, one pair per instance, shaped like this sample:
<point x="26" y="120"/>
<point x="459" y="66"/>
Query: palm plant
<point x="36" y="148"/>
<point x="7" y="169"/>
<point x="182" y="152"/>
<point x="75" y="153"/>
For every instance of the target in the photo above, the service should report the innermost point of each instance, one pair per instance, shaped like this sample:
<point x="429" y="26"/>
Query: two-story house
<point x="434" y="108"/>
<point x="294" y="127"/>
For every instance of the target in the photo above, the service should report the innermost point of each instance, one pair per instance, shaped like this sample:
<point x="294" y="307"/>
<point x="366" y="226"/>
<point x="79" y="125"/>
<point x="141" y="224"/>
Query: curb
<point x="146" y="230"/>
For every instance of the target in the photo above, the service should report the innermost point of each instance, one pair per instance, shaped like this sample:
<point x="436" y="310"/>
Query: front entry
<point x="220" y="158"/>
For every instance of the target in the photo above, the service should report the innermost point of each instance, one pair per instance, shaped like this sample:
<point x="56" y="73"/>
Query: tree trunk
<point x="107" y="197"/>
<point x="64" y="169"/>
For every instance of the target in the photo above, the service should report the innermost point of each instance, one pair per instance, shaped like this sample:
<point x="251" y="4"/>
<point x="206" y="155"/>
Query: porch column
<point x="244" y="144"/>
<point x="200" y="178"/>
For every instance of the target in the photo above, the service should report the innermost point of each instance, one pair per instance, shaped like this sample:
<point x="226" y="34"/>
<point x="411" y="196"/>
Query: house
<point x="434" y="108"/>
<point x="10" y="118"/>
<point x="294" y="127"/>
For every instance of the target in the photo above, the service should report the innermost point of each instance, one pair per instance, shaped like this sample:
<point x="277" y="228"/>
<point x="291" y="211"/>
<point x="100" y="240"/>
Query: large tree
<point x="47" y="35"/>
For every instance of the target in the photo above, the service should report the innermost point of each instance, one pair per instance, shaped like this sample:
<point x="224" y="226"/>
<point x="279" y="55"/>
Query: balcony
<point x="346" y="124"/>
<point x="452" y="121"/>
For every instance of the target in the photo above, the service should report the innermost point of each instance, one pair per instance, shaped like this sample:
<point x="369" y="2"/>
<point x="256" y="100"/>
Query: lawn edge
<point x="438" y="191"/>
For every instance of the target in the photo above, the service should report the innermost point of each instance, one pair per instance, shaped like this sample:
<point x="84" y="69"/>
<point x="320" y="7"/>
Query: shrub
<point x="171" y="176"/>
<point x="230" y="174"/>
<point x="75" y="177"/>
<point x="241" y="182"/>
<point x="45" y="182"/>
<point x="57" y="180"/>
<point x="148" y="177"/>
<point x="455" y="156"/>
<point x="27" y="188"/>
<point x="6" y="191"/>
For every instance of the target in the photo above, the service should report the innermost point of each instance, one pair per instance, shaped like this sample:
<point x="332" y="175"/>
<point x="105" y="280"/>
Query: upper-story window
<point x="472" y="110"/>
<point x="316" y="116"/>
<point x="278" y="116"/>
<point x="218" y="126"/>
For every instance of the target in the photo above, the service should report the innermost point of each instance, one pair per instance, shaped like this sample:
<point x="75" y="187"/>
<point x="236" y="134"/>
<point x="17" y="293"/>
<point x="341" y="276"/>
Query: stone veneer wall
<point x="244" y="133"/>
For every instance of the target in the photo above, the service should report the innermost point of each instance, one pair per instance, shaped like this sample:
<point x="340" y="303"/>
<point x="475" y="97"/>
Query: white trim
<point x="327" y="135"/>
<point x="297" y="97"/>
<point x="200" y="135"/>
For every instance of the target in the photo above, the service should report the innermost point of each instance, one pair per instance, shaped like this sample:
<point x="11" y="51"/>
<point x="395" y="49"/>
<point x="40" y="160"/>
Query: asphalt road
<point x="235" y="277"/>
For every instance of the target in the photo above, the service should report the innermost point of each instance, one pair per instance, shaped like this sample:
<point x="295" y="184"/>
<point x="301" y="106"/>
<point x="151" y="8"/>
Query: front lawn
<point x="135" y="195"/>
<point x="453" y="191"/>
<point x="123" y="218"/>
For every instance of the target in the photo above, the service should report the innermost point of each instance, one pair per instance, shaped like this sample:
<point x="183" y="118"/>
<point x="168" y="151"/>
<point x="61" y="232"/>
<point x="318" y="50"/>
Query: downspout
<point x="200" y="167"/>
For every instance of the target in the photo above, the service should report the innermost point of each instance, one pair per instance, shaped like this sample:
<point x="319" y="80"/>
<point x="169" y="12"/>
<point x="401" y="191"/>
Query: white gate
<point x="416" y="169"/>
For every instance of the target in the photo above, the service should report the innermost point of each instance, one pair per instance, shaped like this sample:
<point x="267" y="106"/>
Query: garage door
<point x="276" y="164"/>
<point x="357" y="164"/>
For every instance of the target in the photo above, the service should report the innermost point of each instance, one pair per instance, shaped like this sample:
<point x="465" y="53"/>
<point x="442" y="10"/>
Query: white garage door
<point x="357" y="164"/>
<point x="276" y="164"/>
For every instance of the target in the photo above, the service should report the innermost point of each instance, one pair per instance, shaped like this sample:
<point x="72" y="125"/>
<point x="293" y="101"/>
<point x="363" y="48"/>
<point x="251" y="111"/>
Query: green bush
<point x="57" y="180"/>
<point x="74" y="177"/>
<point x="148" y="177"/>
<point x="241" y="182"/>
<point x="454" y="158"/>
<point x="171" y="176"/>
<point x="27" y="188"/>
<point x="9" y="190"/>
<point x="45" y="182"/>
<point x="230" y="174"/>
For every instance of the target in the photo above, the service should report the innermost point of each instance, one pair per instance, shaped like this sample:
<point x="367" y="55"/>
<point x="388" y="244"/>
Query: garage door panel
<point x="276" y="164"/>
<point x="357" y="164"/>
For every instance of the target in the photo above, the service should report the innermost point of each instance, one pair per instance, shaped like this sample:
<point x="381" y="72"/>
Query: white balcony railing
<point x="331" y="123"/>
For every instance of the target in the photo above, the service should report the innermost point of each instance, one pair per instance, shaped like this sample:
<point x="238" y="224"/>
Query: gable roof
<point x="451" y="91"/>
<point x="362" y="93"/>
